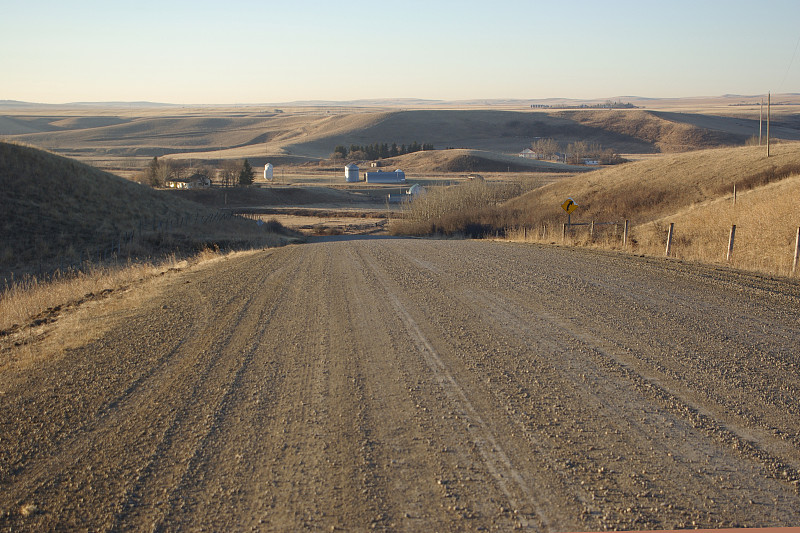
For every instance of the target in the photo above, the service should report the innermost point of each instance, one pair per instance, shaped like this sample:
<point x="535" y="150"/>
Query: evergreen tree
<point x="246" y="174"/>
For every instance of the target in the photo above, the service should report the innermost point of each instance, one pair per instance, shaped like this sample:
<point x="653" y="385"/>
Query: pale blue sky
<point x="236" y="51"/>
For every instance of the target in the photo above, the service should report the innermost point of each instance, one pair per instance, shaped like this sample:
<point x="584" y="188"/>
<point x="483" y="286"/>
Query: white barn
<point x="268" y="172"/>
<point x="351" y="173"/>
<point x="398" y="176"/>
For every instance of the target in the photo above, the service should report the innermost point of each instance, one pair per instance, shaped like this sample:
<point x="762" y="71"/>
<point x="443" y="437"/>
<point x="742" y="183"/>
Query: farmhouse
<point x="195" y="181"/>
<point x="398" y="176"/>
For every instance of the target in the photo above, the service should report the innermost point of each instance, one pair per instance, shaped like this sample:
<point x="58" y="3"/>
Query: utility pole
<point x="769" y="107"/>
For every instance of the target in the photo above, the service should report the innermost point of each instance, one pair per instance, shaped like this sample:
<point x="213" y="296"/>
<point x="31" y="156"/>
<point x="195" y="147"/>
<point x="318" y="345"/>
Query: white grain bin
<point x="268" y="172"/>
<point x="351" y="173"/>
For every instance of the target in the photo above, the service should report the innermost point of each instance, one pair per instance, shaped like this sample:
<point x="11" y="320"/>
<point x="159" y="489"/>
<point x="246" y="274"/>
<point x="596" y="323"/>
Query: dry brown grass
<point x="59" y="214"/>
<point x="32" y="299"/>
<point x="467" y="208"/>
<point x="695" y="192"/>
<point x="648" y="190"/>
<point x="766" y="222"/>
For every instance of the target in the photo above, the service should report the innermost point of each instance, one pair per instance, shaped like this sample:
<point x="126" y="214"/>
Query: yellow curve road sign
<point x="569" y="206"/>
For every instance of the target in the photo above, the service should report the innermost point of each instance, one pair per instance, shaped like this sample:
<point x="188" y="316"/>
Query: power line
<point x="796" y="46"/>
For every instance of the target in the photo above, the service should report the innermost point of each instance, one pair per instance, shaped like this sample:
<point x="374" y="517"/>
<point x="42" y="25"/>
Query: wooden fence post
<point x="669" y="238"/>
<point x="625" y="236"/>
<point x="564" y="234"/>
<point x="730" y="243"/>
<point x="796" y="251"/>
<point x="591" y="231"/>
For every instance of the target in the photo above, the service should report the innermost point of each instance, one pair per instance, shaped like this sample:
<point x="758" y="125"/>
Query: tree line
<point x="575" y="153"/>
<point x="371" y="152"/>
<point x="231" y="174"/>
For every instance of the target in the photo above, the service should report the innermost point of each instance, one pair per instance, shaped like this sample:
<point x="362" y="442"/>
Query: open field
<point x="414" y="385"/>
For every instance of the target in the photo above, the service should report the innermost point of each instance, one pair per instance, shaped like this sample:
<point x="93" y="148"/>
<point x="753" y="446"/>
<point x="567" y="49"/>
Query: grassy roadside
<point x="693" y="191"/>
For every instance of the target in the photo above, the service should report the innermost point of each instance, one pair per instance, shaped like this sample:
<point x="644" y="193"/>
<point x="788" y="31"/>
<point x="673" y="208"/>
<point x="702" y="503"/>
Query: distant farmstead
<point x="398" y="176"/>
<point x="195" y="181"/>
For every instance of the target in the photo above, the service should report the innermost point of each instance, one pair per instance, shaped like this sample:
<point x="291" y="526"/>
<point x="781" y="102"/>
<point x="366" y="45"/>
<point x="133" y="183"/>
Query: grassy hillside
<point x="666" y="132"/>
<point x="766" y="219"/>
<point x="692" y="190"/>
<point x="695" y="192"/>
<point x="647" y="190"/>
<point x="56" y="212"/>
<point x="465" y="161"/>
<point x="313" y="133"/>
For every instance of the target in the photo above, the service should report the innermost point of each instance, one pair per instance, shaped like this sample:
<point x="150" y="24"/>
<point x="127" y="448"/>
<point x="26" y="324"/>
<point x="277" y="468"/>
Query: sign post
<point x="569" y="206"/>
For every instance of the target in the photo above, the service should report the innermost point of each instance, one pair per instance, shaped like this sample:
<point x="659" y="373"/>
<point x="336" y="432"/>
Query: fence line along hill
<point x="693" y="191"/>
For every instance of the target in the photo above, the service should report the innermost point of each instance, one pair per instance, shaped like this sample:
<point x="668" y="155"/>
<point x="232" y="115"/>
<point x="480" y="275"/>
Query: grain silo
<point x="351" y="173"/>
<point x="268" y="172"/>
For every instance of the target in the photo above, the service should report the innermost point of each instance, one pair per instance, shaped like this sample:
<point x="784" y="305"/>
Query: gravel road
<point x="417" y="385"/>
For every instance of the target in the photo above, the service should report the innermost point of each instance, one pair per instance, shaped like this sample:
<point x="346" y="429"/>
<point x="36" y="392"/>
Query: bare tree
<point x="545" y="148"/>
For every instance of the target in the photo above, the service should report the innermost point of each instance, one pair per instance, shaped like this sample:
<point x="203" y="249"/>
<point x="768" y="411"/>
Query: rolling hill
<point x="56" y="212"/>
<point x="644" y="191"/>
<point x="466" y="161"/>
<point x="313" y="133"/>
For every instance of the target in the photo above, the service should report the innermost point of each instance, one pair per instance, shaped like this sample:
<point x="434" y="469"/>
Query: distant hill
<point x="313" y="133"/>
<point x="465" y="161"/>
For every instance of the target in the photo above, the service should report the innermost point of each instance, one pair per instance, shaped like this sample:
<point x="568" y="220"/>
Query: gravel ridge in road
<point x="407" y="384"/>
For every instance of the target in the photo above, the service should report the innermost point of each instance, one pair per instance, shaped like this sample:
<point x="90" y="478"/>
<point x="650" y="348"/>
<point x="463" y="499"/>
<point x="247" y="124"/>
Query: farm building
<point x="351" y="173"/>
<point x="194" y="181"/>
<point x="268" y="172"/>
<point x="416" y="190"/>
<point x="398" y="176"/>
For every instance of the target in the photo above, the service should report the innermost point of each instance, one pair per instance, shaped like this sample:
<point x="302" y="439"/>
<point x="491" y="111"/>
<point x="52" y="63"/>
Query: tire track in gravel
<point x="495" y="460"/>
<point x="162" y="406"/>
<point x="605" y="374"/>
<point x="241" y="331"/>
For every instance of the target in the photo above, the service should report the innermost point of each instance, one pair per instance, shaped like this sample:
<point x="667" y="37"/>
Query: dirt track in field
<point x="413" y="385"/>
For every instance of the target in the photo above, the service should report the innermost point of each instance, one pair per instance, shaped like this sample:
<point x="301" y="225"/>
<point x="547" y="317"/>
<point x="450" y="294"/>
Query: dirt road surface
<point x="412" y="385"/>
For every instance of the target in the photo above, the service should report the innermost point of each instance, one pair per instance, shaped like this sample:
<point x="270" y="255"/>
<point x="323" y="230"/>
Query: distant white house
<point x="527" y="153"/>
<point x="195" y="181"/>
<point x="398" y="176"/>
<point x="351" y="173"/>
